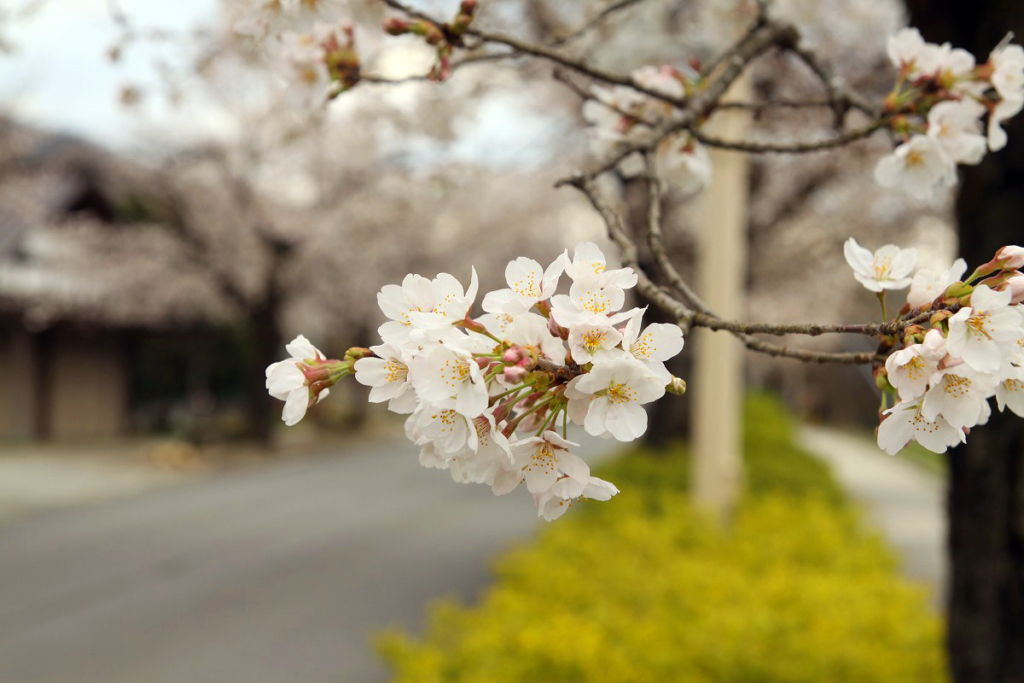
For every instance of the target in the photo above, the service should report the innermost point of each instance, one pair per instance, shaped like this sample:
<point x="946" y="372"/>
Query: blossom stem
<point x="495" y="399"/>
<point x="881" y="301"/>
<point x="550" y="418"/>
<point x="565" y="422"/>
<point x="514" y="424"/>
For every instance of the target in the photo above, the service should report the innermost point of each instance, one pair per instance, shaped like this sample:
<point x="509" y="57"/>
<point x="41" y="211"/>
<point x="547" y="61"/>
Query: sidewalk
<point x="905" y="502"/>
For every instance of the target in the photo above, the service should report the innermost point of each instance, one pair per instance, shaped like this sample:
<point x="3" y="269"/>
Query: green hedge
<point x="643" y="588"/>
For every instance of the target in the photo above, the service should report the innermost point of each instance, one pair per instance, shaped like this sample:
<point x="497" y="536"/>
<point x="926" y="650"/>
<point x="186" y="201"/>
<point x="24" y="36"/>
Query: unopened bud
<point x="357" y="352"/>
<point x="677" y="386"/>
<point x="557" y="330"/>
<point x="528" y="362"/>
<point x="468" y="7"/>
<point x="1016" y="286"/>
<point x="514" y="374"/>
<point x="1010" y="257"/>
<point x="483" y="363"/>
<point x="939" y="317"/>
<point x="513" y="355"/>
<point x="396" y="26"/>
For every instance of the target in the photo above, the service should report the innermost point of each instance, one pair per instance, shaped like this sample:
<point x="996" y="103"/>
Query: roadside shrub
<point x="644" y="588"/>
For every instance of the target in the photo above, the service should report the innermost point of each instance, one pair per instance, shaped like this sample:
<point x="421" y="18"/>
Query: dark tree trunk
<point x="267" y="347"/>
<point x="986" y="490"/>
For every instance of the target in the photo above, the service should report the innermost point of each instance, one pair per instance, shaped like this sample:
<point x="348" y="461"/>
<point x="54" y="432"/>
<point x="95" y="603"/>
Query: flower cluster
<point x="485" y="395"/>
<point x="942" y="378"/>
<point x="937" y="107"/>
<point x="316" y="60"/>
<point x="621" y="116"/>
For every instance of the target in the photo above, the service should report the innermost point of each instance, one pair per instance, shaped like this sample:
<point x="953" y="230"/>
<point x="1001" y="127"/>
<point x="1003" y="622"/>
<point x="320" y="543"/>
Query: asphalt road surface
<point x="275" y="574"/>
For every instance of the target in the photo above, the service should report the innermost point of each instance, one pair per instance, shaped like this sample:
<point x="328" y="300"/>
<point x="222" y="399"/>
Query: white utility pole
<point x="717" y="386"/>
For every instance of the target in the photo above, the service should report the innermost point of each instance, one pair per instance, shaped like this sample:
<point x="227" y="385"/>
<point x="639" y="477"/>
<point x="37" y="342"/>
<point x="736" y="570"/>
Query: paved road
<point x="267" y="575"/>
<point x="906" y="502"/>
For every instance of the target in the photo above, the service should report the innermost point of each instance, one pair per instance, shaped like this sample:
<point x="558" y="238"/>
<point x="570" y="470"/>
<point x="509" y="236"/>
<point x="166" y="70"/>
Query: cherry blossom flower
<point x="589" y="263"/>
<point x="983" y="333"/>
<point x="449" y="376"/>
<point x="905" y="423"/>
<point x="684" y="164"/>
<point x="546" y="459"/>
<point x="530" y="331"/>
<point x="445" y="431"/>
<point x="911" y="368"/>
<point x="654" y="345"/>
<point x="607" y="400"/>
<point x="586" y="298"/>
<point x="958" y="394"/>
<point x="451" y="303"/>
<point x="919" y="166"/>
<point x="557" y="500"/>
<point x="287" y="381"/>
<point x="591" y="334"/>
<point x="388" y="375"/>
<point x="399" y="302"/>
<point x="528" y="283"/>
<point x="1006" y="109"/>
<point x="928" y="286"/>
<point x="957" y="127"/>
<point x="888" y="268"/>
<point x="1010" y="391"/>
<point x="490" y="454"/>
<point x="1008" y="71"/>
<point x="908" y="51"/>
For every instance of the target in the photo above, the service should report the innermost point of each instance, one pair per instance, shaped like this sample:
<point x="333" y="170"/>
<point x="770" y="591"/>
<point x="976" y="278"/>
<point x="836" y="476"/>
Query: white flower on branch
<point x="608" y="400"/>
<point x="959" y="394"/>
<point x="910" y="369"/>
<point x="287" y="380"/>
<point x="1007" y="77"/>
<point x="388" y="377"/>
<point x="1006" y="109"/>
<point x="919" y="166"/>
<point x="957" y="127"/>
<point x="449" y="376"/>
<point x="528" y="284"/>
<point x="591" y="334"/>
<point x="887" y="268"/>
<point x="1010" y="392"/>
<point x="986" y="332"/>
<point x="589" y="263"/>
<point x="546" y="459"/>
<point x="557" y="500"/>
<point x="905" y="423"/>
<point x="928" y="285"/>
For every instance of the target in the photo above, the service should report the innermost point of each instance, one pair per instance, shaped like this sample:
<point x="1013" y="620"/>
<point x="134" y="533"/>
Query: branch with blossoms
<point x="489" y="398"/>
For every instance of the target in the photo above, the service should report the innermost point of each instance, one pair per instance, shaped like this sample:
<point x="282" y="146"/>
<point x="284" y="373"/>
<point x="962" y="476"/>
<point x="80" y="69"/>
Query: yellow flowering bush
<point x="644" y="589"/>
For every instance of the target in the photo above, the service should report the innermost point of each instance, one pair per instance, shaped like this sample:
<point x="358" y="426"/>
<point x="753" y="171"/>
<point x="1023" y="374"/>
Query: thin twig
<point x="594" y="22"/>
<point x="789" y="147"/>
<point x="680" y="311"/>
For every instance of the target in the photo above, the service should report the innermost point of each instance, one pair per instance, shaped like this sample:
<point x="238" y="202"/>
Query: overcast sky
<point x="60" y="77"/>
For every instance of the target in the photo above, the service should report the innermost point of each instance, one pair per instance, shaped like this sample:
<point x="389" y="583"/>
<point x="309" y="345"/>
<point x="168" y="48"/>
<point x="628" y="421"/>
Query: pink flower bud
<point x="1016" y="286"/>
<point x="527" y="363"/>
<point x="513" y="355"/>
<point x="1010" y="257"/>
<point x="556" y="330"/>
<point x="514" y="374"/>
<point x="483" y="363"/>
